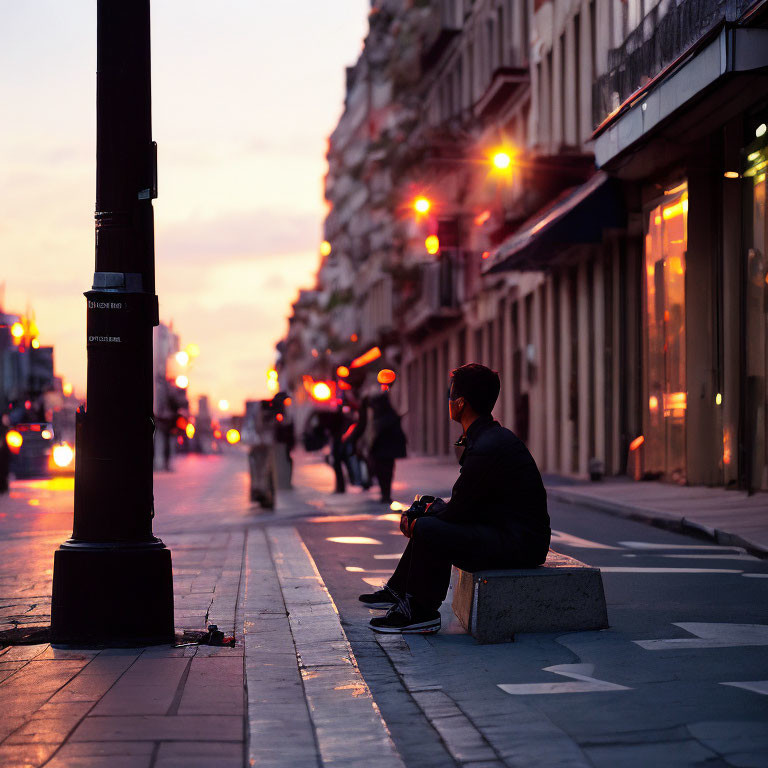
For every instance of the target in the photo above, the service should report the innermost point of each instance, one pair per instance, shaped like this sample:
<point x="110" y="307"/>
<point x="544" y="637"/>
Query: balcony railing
<point x="442" y="289"/>
<point x="659" y="40"/>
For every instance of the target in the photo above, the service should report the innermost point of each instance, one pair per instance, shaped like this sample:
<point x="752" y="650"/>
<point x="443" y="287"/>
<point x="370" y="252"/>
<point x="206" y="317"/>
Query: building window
<point x="490" y="55"/>
<point x="592" y="41"/>
<point x="501" y="47"/>
<point x="563" y="91"/>
<point x="665" y="392"/>
<point x="526" y="32"/>
<point x="577" y="132"/>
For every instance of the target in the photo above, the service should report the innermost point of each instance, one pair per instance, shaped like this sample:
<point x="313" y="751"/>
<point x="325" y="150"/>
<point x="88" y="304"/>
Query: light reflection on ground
<point x="353" y="540"/>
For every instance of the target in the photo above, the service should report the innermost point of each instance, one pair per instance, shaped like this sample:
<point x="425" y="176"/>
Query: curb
<point x="659" y="519"/>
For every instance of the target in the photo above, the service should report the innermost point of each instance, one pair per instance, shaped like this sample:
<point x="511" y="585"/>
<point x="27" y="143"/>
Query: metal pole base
<point x="112" y="595"/>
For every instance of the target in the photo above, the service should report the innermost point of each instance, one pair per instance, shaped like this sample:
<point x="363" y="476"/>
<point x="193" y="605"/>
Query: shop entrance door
<point x="756" y="325"/>
<point x="664" y="422"/>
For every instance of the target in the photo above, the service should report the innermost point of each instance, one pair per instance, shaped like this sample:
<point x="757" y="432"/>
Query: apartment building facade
<point x="615" y="272"/>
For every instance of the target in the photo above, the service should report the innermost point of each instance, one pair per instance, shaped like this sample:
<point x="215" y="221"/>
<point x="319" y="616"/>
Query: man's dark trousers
<point x="424" y="570"/>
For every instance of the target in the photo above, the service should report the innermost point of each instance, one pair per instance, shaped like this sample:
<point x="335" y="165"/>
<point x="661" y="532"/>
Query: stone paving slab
<point x="148" y="687"/>
<point x="214" y="686"/>
<point x="199" y="754"/>
<point x="276" y="702"/>
<point x="346" y="719"/>
<point x="160" y="728"/>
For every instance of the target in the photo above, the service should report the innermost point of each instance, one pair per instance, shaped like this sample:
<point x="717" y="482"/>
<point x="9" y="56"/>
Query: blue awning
<point x="579" y="215"/>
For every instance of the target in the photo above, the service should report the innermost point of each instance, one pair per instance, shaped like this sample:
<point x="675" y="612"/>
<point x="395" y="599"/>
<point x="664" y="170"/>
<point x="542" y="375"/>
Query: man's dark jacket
<point x="500" y="486"/>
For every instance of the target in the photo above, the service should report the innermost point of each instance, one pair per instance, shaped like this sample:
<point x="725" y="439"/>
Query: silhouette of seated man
<point x="496" y="516"/>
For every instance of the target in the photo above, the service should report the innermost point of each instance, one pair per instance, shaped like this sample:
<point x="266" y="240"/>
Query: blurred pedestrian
<point x="387" y="443"/>
<point x="5" y="455"/>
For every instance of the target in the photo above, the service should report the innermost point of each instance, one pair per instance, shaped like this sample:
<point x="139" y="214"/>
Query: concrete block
<point x="562" y="595"/>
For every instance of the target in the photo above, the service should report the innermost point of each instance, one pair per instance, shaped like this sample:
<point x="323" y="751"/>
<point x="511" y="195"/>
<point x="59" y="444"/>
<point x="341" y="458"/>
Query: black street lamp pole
<point x="112" y="580"/>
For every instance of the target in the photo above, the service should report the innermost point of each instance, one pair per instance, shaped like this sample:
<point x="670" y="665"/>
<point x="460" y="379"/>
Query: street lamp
<point x="502" y="160"/>
<point x="422" y="205"/>
<point x="112" y="581"/>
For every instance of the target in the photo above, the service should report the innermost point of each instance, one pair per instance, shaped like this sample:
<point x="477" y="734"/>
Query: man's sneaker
<point x="401" y="621"/>
<point x="385" y="598"/>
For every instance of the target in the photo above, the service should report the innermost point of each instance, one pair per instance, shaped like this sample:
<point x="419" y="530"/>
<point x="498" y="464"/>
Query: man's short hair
<point x="478" y="385"/>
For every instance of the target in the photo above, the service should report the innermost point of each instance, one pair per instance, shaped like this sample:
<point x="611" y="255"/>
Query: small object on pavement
<point x="214" y="636"/>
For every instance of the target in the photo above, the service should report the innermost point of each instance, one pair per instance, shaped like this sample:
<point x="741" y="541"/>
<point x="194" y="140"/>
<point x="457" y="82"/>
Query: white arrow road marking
<point x="655" y="545"/>
<point x="580" y="672"/>
<point x="756" y="686"/>
<point x="638" y="569"/>
<point x="711" y="636"/>
<point x="569" y="540"/>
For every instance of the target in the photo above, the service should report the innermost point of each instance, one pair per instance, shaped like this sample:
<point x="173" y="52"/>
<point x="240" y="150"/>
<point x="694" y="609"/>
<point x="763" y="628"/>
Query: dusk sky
<point x="245" y="95"/>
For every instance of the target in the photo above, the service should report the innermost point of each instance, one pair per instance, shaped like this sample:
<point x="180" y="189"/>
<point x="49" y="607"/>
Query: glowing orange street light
<point x="182" y="382"/>
<point x="287" y="401"/>
<point x="367" y="357"/>
<point x="35" y="344"/>
<point x="17" y="330"/>
<point x="190" y="431"/>
<point x="342" y="371"/>
<point x="432" y="244"/>
<point x="223" y="405"/>
<point x="321" y="392"/>
<point x="422" y="205"/>
<point x="501" y="160"/>
<point x="14" y="440"/>
<point x="233" y="436"/>
<point x="66" y="388"/>
<point x="193" y="350"/>
<point x="182" y="357"/>
<point x="325" y="248"/>
<point x="63" y="455"/>
<point x="386" y="376"/>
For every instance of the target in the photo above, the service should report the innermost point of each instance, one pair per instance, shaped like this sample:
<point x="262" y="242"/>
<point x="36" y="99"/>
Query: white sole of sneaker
<point x="427" y="628"/>
<point x="380" y="606"/>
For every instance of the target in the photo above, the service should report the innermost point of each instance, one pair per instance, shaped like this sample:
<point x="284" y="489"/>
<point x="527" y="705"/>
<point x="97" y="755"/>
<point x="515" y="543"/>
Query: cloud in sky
<point x="244" y="97"/>
<point x="258" y="234"/>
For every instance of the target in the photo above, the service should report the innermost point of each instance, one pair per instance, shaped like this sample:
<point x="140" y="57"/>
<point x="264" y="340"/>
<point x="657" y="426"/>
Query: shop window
<point x="756" y="318"/>
<point x="666" y="243"/>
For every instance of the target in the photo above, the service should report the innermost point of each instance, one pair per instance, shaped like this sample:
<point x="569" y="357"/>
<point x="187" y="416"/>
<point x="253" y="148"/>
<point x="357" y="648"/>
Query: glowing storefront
<point x="690" y="149"/>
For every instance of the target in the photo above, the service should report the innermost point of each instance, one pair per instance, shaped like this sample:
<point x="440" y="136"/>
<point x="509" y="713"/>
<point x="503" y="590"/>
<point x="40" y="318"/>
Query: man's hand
<point x="419" y="508"/>
<point x="406" y="525"/>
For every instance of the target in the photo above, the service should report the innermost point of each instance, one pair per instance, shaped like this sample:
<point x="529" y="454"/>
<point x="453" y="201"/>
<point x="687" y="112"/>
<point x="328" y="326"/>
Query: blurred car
<point x="31" y="446"/>
<point x="35" y="452"/>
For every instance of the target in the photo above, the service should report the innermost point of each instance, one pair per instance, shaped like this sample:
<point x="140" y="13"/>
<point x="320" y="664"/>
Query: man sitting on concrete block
<point x="496" y="517"/>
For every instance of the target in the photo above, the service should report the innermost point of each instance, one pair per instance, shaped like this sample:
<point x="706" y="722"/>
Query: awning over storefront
<point x="710" y="83"/>
<point x="579" y="215"/>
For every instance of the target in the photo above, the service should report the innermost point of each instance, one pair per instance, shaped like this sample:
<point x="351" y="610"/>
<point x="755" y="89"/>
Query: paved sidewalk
<point x="157" y="706"/>
<point x="730" y="518"/>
